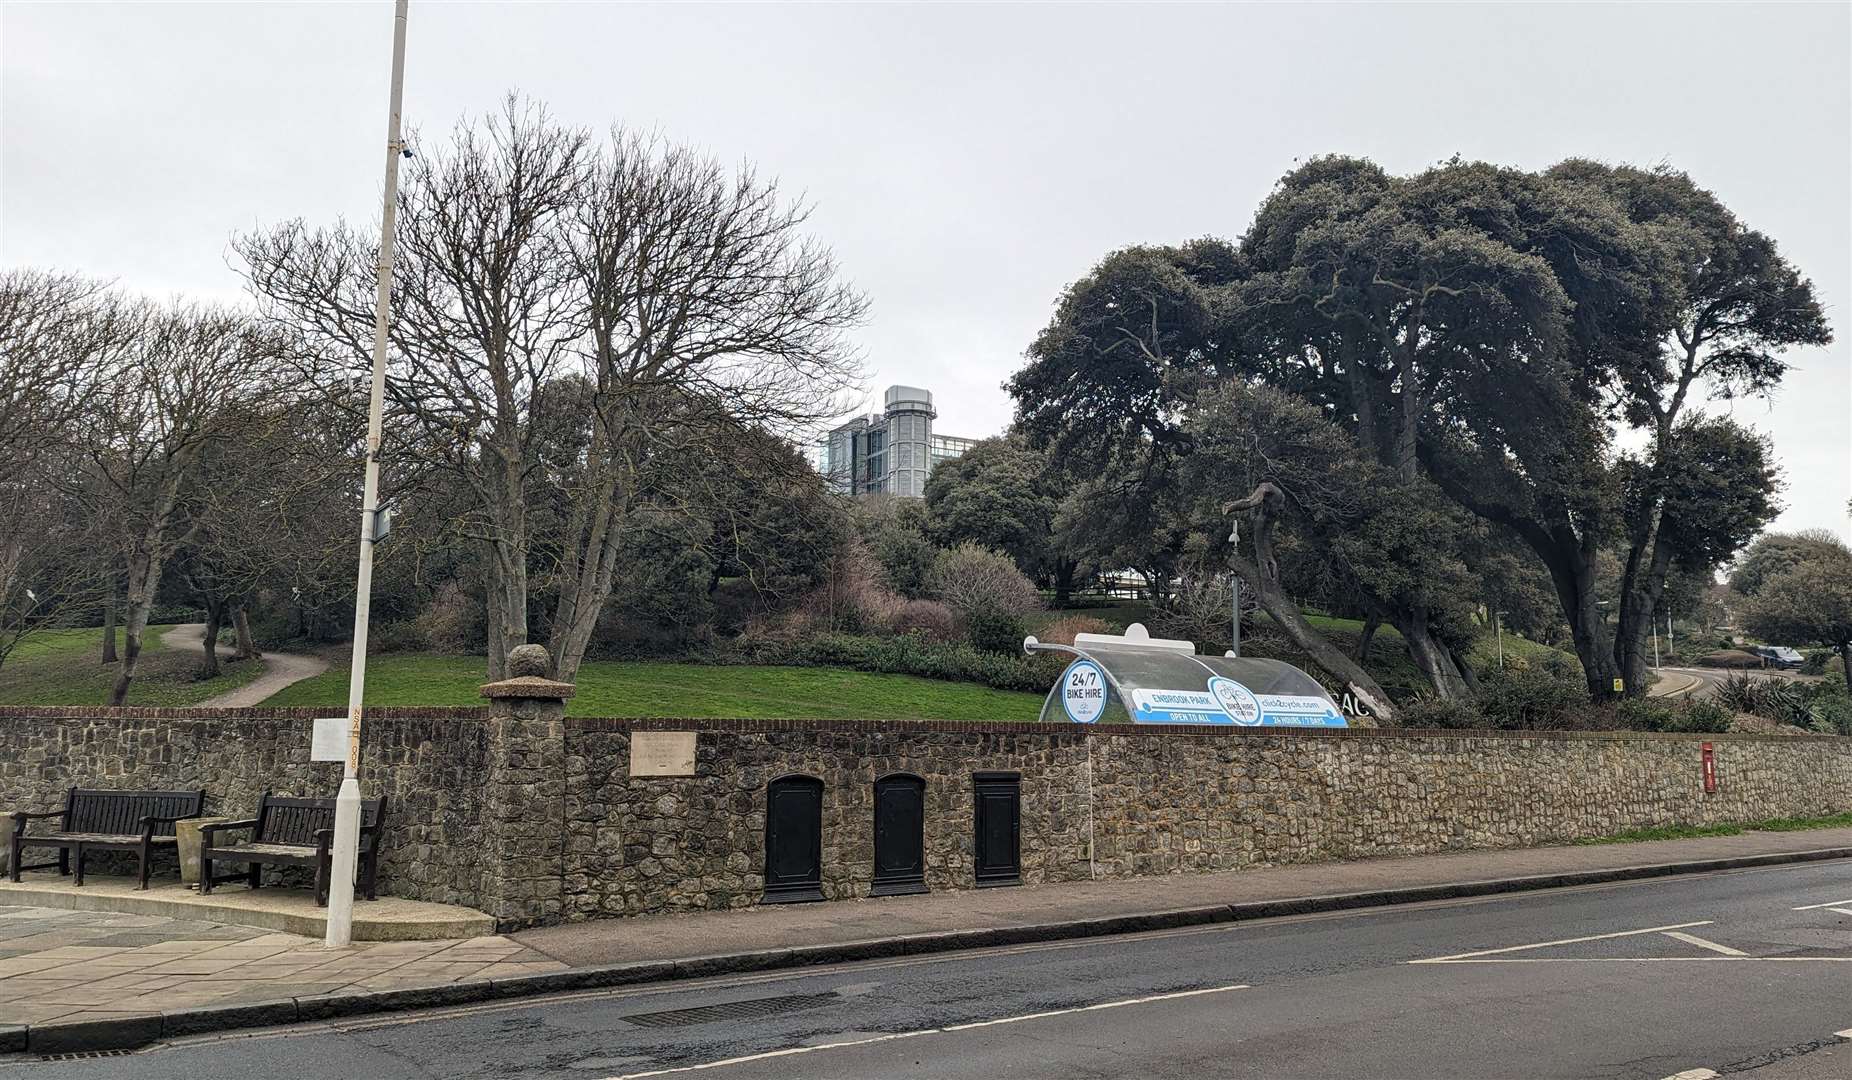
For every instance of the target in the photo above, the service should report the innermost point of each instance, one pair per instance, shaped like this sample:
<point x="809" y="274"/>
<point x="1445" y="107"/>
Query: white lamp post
<point x="347" y="803"/>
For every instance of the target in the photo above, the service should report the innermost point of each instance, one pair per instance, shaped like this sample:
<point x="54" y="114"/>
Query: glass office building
<point x="893" y="451"/>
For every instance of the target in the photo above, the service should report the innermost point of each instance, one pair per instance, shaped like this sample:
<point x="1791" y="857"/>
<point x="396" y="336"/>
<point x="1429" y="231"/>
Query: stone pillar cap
<point x="527" y="677"/>
<point x="529" y="686"/>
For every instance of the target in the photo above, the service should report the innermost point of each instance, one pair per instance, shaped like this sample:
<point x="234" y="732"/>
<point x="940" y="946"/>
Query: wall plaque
<point x="662" y="753"/>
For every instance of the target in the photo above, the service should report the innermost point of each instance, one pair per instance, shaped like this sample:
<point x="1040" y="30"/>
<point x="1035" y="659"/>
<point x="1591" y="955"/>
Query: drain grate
<point x="751" y="1009"/>
<point x="84" y="1055"/>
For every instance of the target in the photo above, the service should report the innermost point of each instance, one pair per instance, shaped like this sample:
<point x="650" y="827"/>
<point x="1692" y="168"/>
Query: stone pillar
<point x="524" y="801"/>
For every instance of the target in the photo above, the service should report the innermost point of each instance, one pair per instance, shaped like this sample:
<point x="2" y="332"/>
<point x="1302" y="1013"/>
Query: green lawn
<point x="60" y="667"/>
<point x="696" y="691"/>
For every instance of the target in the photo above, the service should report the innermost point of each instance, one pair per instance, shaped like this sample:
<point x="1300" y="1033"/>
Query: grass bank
<point x="695" y="691"/>
<point x="1686" y="832"/>
<point x="61" y="667"/>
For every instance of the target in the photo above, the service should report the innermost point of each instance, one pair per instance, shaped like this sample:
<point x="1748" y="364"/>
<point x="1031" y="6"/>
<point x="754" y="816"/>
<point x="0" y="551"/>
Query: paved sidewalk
<point x="72" y="980"/>
<point x="786" y="926"/>
<point x="74" y="966"/>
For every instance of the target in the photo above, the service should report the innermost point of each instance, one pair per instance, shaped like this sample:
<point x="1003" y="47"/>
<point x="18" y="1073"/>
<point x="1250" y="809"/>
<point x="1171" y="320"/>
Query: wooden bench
<point x="291" y="832"/>
<point x="137" y="821"/>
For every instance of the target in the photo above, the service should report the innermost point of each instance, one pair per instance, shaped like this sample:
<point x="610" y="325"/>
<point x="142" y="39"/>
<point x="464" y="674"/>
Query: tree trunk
<point x="111" y="604"/>
<point x="1572" y="570"/>
<point x="1372" y="622"/>
<point x="1434" y="659"/>
<point x="143" y="575"/>
<point x="247" y="644"/>
<point x="215" y="621"/>
<point x="1064" y="581"/>
<point x="1640" y="593"/>
<point x="1262" y="577"/>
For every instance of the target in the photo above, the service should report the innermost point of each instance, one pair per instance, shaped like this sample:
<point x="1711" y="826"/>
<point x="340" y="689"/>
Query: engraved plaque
<point x="662" y="753"/>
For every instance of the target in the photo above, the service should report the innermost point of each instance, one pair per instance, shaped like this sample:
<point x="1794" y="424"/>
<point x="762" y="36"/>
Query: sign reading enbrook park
<point x="1157" y="681"/>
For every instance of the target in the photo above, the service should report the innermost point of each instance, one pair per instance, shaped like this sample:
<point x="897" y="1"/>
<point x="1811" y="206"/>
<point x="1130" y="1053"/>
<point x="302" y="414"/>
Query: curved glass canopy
<point x="1146" y="680"/>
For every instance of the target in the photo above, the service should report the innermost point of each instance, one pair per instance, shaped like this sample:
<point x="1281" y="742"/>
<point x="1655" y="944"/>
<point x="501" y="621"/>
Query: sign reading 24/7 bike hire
<point x="1083" y="692"/>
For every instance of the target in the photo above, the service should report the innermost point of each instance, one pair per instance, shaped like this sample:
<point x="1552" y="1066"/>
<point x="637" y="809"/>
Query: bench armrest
<point x="22" y="817"/>
<point x="206" y="831"/>
<point x="149" y="821"/>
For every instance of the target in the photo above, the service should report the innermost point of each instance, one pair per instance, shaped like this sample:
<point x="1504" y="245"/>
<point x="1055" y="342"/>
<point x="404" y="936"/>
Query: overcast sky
<point x="966" y="161"/>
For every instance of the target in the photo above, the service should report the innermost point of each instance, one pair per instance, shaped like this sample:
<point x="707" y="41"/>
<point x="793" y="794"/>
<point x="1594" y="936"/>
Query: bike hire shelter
<point x="1148" y="680"/>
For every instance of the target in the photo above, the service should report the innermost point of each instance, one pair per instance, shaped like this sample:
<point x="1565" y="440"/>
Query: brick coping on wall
<point x="898" y="727"/>
<point x="294" y="712"/>
<point x="756" y="726"/>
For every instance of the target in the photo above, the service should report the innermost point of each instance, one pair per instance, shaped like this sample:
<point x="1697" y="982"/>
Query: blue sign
<point x="1227" y="702"/>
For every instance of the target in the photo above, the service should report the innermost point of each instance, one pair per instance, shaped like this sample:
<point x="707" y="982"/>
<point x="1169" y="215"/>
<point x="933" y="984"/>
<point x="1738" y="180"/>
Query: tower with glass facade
<point x="891" y="452"/>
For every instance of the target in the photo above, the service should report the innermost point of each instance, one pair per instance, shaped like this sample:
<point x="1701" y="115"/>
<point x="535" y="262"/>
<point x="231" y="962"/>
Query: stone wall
<point x="535" y="818"/>
<point x="1124" y="801"/>
<point x="431" y="764"/>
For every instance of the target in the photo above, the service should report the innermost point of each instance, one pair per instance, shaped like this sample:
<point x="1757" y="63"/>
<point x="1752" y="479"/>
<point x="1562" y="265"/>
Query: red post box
<point x="1709" y="754"/>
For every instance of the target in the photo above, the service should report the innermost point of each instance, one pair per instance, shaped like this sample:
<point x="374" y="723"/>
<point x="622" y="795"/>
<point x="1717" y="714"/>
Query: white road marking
<point x="1829" y="903"/>
<point x="1846" y="1034"/>
<point x="1693" y="939"/>
<point x="1695" y="1074"/>
<point x="1650" y="960"/>
<point x="1841" y="910"/>
<point x="796" y="1050"/>
<point x="1456" y="957"/>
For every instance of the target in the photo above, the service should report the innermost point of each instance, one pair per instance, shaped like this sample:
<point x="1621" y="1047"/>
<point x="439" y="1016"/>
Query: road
<point x="1744" y="972"/>
<point x="280" y="669"/>
<point x="1676" y="682"/>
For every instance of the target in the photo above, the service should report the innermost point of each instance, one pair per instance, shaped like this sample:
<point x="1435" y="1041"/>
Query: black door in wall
<point x="793" y="840"/>
<point x="900" y="835"/>
<point x="999" y="828"/>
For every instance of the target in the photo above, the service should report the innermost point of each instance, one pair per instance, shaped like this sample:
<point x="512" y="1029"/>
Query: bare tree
<point x="565" y="312"/>
<point x="706" y="310"/>
<point x="181" y="372"/>
<point x="56" y="331"/>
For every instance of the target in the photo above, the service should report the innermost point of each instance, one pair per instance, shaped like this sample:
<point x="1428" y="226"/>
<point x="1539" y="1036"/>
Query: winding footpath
<point x="280" y="670"/>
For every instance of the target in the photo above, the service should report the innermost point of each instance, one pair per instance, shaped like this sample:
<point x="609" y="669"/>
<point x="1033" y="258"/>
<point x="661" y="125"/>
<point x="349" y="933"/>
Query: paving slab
<point x="234" y="909"/>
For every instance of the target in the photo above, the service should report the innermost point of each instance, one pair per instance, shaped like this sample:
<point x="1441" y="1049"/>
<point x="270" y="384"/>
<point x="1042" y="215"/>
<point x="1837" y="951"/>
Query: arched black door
<point x="900" y="835"/>
<point x="793" y="840"/>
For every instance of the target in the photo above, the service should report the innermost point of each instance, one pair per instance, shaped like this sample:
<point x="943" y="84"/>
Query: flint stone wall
<point x="534" y="818"/>
<point x="1121" y="801"/>
<point x="431" y="764"/>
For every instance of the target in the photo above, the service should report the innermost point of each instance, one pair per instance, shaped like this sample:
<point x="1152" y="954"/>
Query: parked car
<point x="1780" y="656"/>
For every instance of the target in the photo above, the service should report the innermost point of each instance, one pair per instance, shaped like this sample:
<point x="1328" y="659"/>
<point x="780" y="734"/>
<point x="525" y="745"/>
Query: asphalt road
<point x="1742" y="972"/>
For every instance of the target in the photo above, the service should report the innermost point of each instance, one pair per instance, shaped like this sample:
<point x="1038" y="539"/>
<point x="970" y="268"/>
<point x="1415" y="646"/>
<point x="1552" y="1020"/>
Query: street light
<point x="347" y="803"/>
<point x="1498" y="630"/>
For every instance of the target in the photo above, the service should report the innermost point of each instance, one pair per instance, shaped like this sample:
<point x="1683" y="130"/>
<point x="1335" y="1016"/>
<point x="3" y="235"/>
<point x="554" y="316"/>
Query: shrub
<point x="1703" y="716"/>
<point x="1061" y="631"/>
<point x="853" y="597"/>
<point x="1769" y="698"/>
<point x="927" y="618"/>
<point x="1730" y="658"/>
<point x="453" y="622"/>
<point x="1531" y="701"/>
<point x="994" y="632"/>
<point x="908" y="654"/>
<point x="1199" y="610"/>
<point x="1661" y="714"/>
<point x="987" y="593"/>
<point x="1815" y="663"/>
<point x="1432" y="712"/>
